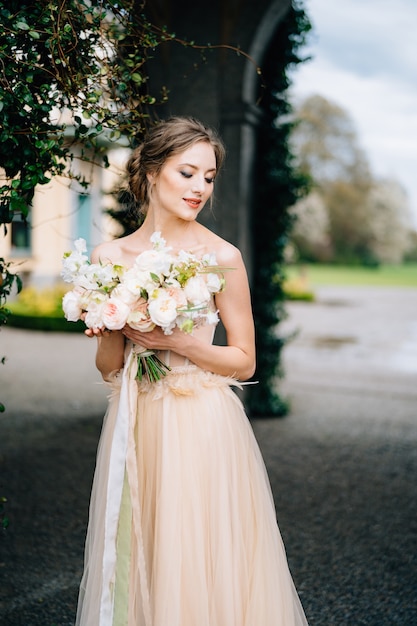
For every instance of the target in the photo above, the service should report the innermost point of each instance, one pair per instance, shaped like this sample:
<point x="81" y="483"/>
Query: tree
<point x="71" y="73"/>
<point x="311" y="228"/>
<point x="327" y="149"/>
<point x="325" y="142"/>
<point x="391" y="222"/>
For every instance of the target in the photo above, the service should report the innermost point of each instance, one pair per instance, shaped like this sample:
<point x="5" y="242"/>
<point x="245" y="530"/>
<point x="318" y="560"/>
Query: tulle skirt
<point x="196" y="541"/>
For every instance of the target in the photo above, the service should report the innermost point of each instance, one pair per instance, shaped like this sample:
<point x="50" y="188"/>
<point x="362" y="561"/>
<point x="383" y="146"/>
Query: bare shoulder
<point x="227" y="254"/>
<point x="107" y="252"/>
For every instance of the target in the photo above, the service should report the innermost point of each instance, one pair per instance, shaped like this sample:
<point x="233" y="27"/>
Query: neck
<point x="175" y="231"/>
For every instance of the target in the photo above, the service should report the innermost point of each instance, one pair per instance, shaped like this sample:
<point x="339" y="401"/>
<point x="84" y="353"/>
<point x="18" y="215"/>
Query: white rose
<point x="162" y="309"/>
<point x="155" y="261"/>
<point x="128" y="296"/>
<point x="196" y="292"/>
<point x="95" y="302"/>
<point x="137" y="279"/>
<point x="114" y="314"/>
<point x="71" y="305"/>
<point x="93" y="317"/>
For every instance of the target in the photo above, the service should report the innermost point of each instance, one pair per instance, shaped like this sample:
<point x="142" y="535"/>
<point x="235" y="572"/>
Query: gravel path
<point x="342" y="465"/>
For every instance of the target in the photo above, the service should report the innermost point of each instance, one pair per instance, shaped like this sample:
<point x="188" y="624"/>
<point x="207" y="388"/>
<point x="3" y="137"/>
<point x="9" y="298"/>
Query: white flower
<point x="86" y="278"/>
<point x="156" y="261"/>
<point x="114" y="314"/>
<point x="136" y="280"/>
<point x="72" y="265"/>
<point x="93" y="317"/>
<point x="80" y="245"/>
<point x="162" y="309"/>
<point x="209" y="259"/>
<point x="158" y="242"/>
<point x="212" y="317"/>
<point x="72" y="306"/>
<point x="105" y="275"/>
<point x="196" y="292"/>
<point x="186" y="257"/>
<point x="185" y="324"/>
<point x="74" y="260"/>
<point x="122" y="292"/>
<point x="214" y="282"/>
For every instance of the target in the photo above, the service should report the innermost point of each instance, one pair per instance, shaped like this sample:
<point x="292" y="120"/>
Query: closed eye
<point x="209" y="180"/>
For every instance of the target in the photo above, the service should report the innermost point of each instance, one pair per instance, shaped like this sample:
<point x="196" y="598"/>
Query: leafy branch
<point x="72" y="79"/>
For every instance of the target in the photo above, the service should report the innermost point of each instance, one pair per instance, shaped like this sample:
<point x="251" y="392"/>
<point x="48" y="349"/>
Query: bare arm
<point x="110" y="353"/>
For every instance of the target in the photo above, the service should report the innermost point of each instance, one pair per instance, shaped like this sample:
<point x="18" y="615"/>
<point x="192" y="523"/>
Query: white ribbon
<point x="122" y="448"/>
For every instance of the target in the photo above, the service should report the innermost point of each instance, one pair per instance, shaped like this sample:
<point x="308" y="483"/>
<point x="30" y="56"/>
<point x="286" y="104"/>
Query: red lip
<point x="193" y="202"/>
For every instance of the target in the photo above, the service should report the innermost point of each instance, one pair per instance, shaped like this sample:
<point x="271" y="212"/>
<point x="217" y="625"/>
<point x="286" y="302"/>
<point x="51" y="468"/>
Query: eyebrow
<point x="212" y="169"/>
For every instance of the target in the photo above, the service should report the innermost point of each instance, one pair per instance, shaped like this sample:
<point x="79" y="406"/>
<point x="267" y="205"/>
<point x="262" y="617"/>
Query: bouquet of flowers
<point x="160" y="289"/>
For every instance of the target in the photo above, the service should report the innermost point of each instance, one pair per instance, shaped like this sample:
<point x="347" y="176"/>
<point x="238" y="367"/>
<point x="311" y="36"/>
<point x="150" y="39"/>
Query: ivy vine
<point x="278" y="186"/>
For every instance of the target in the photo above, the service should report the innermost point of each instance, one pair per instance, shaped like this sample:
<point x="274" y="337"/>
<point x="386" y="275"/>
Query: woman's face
<point x="185" y="182"/>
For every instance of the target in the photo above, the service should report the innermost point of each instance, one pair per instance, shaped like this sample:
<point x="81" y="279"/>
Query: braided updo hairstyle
<point x="162" y="141"/>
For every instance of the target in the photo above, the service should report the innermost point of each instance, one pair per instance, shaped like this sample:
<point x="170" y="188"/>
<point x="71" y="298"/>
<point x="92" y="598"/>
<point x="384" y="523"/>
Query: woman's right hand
<point x="97" y="332"/>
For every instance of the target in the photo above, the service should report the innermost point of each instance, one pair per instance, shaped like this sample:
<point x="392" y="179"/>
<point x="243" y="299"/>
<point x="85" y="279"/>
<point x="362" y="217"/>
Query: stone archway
<point x="222" y="91"/>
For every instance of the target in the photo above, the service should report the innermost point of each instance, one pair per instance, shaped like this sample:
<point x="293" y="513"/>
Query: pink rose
<point x="115" y="313"/>
<point x="139" y="318"/>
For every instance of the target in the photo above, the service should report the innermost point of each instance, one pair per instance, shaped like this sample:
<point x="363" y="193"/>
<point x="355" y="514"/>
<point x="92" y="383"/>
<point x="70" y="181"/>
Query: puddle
<point x="333" y="342"/>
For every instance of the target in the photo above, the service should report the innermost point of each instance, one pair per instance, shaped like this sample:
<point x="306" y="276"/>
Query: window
<point x="21" y="232"/>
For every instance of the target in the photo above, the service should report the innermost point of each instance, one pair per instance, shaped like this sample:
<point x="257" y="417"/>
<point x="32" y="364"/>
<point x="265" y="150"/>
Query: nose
<point x="199" y="184"/>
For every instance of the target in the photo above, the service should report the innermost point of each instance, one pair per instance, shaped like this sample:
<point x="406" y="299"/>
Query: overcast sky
<point x="365" y="60"/>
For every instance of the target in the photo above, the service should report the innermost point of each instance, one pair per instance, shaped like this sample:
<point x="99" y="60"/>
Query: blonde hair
<point x="162" y="141"/>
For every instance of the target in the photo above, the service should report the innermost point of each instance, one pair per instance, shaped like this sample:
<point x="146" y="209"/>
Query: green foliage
<point x="320" y="274"/>
<point x="4" y="520"/>
<point x="72" y="79"/>
<point x="8" y="282"/>
<point x="127" y="213"/>
<point x="41" y="309"/>
<point x="278" y="186"/>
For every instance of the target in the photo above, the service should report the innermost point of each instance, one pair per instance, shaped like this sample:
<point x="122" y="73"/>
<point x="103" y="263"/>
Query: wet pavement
<point x="342" y="465"/>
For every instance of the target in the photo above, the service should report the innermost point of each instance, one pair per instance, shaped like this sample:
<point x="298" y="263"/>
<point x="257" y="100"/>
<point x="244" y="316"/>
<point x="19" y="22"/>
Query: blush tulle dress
<point x="182" y="528"/>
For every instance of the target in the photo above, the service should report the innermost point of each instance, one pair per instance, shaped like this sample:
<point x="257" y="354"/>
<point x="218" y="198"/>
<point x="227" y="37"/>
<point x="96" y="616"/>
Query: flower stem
<point x="151" y="368"/>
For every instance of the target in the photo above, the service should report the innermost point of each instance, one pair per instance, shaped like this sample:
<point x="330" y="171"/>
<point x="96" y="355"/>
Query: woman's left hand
<point x="154" y="339"/>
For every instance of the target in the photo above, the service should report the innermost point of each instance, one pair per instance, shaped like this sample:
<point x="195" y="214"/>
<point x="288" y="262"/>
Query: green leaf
<point x="137" y="78"/>
<point x="34" y="34"/>
<point x="22" y="25"/>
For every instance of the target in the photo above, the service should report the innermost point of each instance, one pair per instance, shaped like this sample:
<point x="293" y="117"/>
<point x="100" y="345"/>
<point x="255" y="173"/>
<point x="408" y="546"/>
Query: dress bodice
<point x="204" y="333"/>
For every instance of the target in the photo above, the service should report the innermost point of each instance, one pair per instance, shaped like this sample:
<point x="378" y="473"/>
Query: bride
<point x="182" y="528"/>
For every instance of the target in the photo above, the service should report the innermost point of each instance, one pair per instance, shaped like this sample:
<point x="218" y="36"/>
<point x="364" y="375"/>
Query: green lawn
<point x="384" y="276"/>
